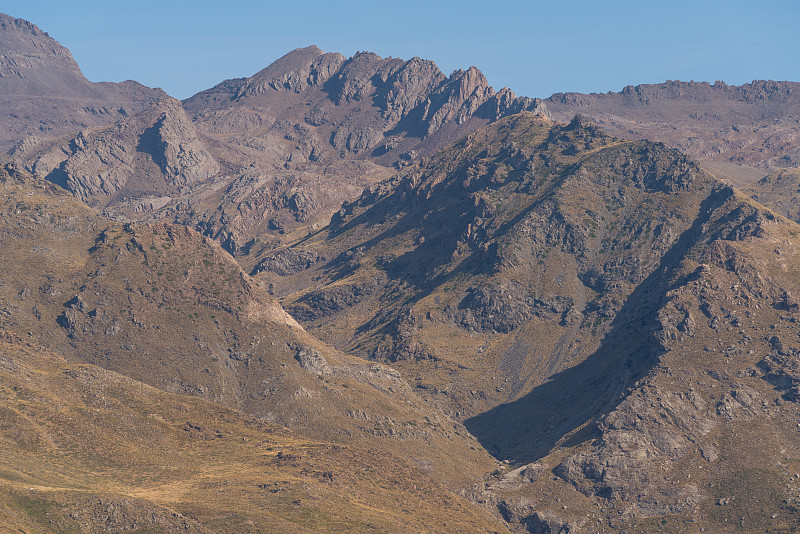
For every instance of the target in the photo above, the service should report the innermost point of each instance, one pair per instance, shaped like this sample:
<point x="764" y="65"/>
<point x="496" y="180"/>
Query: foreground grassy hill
<point x="83" y="449"/>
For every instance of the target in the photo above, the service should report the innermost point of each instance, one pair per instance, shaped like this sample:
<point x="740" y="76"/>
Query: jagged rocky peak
<point x="469" y="81"/>
<point x="506" y="102"/>
<point x="167" y="110"/>
<point x="397" y="89"/>
<point x="299" y="69"/>
<point x="305" y="110"/>
<point x="409" y="85"/>
<point x="457" y="99"/>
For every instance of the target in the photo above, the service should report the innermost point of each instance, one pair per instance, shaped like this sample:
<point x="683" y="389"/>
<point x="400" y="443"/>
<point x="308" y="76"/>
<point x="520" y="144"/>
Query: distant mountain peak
<point x="7" y="22"/>
<point x="295" y="71"/>
<point x="44" y="92"/>
<point x="31" y="55"/>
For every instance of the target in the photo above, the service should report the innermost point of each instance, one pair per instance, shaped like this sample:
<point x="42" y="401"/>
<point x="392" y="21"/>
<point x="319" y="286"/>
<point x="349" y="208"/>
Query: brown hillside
<point x="165" y="306"/>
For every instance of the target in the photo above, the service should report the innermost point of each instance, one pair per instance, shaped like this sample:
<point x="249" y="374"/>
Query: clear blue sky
<point x="536" y="48"/>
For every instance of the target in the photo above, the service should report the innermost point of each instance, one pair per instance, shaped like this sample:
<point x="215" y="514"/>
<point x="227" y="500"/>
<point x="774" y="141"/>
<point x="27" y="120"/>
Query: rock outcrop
<point x="155" y="153"/>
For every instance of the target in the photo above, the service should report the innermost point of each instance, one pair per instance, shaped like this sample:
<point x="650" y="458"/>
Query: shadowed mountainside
<point x="525" y="230"/>
<point x="521" y="279"/>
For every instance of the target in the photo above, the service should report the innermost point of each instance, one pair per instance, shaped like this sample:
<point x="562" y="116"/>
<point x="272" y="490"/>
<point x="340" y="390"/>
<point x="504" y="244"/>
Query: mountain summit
<point x="365" y="105"/>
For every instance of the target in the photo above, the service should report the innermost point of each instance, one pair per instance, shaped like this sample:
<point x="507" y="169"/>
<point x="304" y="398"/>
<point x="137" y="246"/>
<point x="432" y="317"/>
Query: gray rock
<point x="505" y="306"/>
<point x="328" y="301"/>
<point x="312" y="361"/>
<point x="288" y="261"/>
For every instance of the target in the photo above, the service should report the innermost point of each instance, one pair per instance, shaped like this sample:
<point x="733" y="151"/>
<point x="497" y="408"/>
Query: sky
<point x="535" y="48"/>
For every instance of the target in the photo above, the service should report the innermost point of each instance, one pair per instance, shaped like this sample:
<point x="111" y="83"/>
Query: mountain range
<point x="357" y="294"/>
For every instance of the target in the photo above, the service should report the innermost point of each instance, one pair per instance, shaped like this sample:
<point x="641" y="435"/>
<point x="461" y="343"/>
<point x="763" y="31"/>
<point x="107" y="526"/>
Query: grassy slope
<point x="83" y="447"/>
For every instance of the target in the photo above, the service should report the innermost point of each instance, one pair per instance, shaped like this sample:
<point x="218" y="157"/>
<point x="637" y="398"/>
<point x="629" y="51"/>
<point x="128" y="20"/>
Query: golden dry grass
<point x="78" y="434"/>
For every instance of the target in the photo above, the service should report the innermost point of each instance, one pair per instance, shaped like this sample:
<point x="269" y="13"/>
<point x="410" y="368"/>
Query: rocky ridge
<point x="739" y="132"/>
<point x="472" y="241"/>
<point x="261" y="157"/>
<point x="363" y="105"/>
